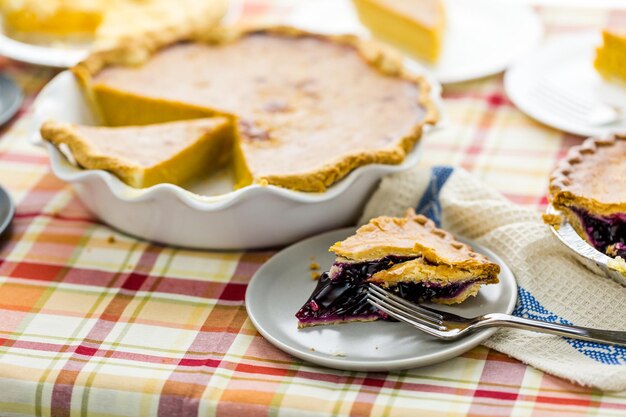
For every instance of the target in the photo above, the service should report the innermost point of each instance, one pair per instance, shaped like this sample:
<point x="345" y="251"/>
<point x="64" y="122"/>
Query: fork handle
<point x="585" y="333"/>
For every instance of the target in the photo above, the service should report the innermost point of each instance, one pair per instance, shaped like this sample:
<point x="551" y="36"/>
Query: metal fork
<point x="449" y="326"/>
<point x="580" y="109"/>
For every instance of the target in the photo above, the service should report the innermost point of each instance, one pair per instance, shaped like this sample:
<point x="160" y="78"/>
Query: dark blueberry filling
<point x="342" y="297"/>
<point x="605" y="233"/>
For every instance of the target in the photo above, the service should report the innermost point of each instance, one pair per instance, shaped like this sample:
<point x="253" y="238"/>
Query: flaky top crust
<point x="415" y="236"/>
<point x="592" y="176"/>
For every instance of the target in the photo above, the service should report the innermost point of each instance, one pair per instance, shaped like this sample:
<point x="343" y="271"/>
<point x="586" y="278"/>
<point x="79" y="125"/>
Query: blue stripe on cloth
<point x="429" y="204"/>
<point x="528" y="307"/>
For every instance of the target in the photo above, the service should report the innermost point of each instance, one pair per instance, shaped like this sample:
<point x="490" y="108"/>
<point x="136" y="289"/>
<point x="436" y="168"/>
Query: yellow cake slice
<point x="415" y="26"/>
<point x="610" y="59"/>
<point x="143" y="156"/>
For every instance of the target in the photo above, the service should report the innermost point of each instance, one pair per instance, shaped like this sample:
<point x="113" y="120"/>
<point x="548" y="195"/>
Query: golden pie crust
<point x="591" y="177"/>
<point x="439" y="257"/>
<point x="252" y="156"/>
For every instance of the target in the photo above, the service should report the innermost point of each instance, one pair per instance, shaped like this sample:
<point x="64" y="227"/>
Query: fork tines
<point x="405" y="311"/>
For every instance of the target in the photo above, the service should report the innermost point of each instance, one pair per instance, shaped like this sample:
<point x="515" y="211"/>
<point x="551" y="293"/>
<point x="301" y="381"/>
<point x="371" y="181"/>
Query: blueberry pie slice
<point x="408" y="256"/>
<point x="589" y="188"/>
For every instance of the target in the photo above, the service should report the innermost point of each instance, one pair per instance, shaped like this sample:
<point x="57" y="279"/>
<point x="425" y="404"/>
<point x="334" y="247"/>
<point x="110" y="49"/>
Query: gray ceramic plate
<point x="283" y="284"/>
<point x="7" y="209"/>
<point x="10" y="98"/>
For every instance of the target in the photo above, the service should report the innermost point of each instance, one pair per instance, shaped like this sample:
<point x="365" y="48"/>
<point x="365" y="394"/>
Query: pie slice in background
<point x="108" y="22"/>
<point x="415" y="26"/>
<point x="610" y="59"/>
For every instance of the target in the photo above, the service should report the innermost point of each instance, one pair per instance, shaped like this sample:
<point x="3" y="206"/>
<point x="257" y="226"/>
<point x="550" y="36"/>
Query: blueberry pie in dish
<point x="306" y="109"/>
<point x="409" y="256"/>
<point x="589" y="188"/>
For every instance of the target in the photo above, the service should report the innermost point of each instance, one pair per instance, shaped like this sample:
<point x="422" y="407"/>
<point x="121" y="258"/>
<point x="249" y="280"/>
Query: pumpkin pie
<point x="307" y="109"/>
<point x="415" y="26"/>
<point x="143" y="156"/>
<point x="588" y="188"/>
<point x="610" y="59"/>
<point x="408" y="256"/>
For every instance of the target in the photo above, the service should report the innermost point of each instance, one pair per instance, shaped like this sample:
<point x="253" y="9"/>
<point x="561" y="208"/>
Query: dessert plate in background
<point x="7" y="210"/>
<point x="58" y="56"/>
<point x="11" y="98"/>
<point x="283" y="284"/>
<point x="563" y="67"/>
<point x="482" y="37"/>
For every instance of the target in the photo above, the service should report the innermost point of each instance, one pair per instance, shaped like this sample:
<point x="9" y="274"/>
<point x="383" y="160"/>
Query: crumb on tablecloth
<point x="111" y="239"/>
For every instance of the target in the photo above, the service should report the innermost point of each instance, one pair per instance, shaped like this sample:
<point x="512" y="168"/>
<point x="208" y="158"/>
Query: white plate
<point x="7" y="210"/>
<point x="482" y="37"/>
<point x="58" y="56"/>
<point x="283" y="284"/>
<point x="11" y="98"/>
<point x="65" y="54"/>
<point x="565" y="63"/>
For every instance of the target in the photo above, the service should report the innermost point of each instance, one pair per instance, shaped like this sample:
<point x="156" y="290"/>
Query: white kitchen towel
<point x="553" y="284"/>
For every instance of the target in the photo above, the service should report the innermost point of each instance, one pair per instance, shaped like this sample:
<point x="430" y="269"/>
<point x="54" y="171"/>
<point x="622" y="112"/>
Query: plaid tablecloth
<point x="93" y="322"/>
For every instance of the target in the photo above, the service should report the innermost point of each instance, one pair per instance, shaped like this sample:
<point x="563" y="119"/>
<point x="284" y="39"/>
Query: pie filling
<point x="606" y="233"/>
<point x="340" y="295"/>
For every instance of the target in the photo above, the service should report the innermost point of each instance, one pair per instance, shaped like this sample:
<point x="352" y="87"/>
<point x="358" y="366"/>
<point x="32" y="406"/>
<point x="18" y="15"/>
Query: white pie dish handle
<point x="249" y="218"/>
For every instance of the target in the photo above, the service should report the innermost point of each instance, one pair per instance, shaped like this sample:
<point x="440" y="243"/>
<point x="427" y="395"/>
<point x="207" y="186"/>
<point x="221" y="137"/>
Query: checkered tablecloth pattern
<point x="93" y="322"/>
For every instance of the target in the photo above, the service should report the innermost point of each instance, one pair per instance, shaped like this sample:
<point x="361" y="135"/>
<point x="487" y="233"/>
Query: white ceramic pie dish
<point x="248" y="218"/>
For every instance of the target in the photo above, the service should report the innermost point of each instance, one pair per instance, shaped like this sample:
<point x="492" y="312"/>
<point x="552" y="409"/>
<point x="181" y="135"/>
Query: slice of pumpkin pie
<point x="143" y="156"/>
